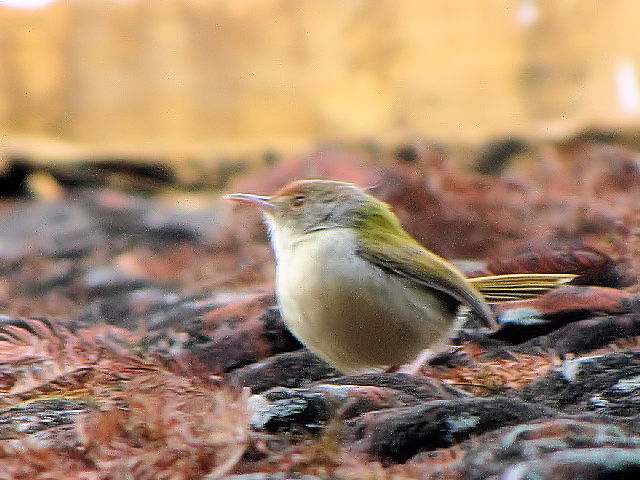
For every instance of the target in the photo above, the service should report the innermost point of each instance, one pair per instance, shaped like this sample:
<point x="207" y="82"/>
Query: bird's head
<point x="307" y="206"/>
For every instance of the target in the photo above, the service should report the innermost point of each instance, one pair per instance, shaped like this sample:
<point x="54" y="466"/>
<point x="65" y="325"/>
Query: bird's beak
<point x="249" y="199"/>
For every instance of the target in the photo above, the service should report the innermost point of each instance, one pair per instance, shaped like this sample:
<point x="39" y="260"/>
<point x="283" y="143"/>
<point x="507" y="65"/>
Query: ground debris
<point x="142" y="337"/>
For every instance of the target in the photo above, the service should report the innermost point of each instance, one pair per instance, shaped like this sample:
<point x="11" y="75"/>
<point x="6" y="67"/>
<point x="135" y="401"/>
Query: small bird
<point x="358" y="290"/>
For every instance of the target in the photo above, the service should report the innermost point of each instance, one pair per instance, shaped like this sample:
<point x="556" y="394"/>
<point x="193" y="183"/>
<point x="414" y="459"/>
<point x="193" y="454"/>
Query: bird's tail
<point x="518" y="286"/>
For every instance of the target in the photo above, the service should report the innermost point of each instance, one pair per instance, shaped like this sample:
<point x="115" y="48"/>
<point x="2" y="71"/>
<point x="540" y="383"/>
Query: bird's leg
<point x="414" y="367"/>
<point x="424" y="357"/>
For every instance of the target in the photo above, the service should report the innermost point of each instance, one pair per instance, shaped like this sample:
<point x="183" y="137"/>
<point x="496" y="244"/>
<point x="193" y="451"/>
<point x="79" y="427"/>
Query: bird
<point x="358" y="290"/>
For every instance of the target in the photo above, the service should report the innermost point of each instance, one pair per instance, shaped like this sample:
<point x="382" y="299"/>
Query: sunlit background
<point x="245" y="75"/>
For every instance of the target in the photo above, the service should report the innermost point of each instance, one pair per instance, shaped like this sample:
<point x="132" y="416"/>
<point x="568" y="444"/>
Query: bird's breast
<point x="314" y="277"/>
<point x="350" y="312"/>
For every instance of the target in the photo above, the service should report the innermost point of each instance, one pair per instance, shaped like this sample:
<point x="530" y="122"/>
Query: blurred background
<point x="485" y="125"/>
<point x="202" y="78"/>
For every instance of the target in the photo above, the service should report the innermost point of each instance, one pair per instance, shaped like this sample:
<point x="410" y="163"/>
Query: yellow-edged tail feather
<point x="518" y="286"/>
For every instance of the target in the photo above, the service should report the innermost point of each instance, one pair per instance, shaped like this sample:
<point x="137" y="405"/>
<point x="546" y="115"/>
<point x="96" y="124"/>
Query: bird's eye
<point x="297" y="201"/>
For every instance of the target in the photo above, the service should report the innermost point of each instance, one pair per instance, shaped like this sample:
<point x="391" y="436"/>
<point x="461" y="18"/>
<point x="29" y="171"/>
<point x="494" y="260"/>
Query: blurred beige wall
<point x="177" y="72"/>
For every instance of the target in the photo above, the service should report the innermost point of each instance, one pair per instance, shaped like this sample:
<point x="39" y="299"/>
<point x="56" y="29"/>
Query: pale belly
<point x="354" y="315"/>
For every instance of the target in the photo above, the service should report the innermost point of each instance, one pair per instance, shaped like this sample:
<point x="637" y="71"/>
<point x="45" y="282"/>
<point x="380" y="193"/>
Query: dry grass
<point x="142" y="421"/>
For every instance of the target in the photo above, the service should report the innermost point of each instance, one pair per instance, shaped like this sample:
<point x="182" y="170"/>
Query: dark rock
<point x="291" y="369"/>
<point x="569" y="302"/>
<point x="619" y="167"/>
<point x="13" y="177"/>
<point x="521" y="321"/>
<point x="109" y="281"/>
<point x="482" y="339"/>
<point x="591" y="464"/>
<point x="127" y="216"/>
<point x="615" y="275"/>
<point x="284" y="409"/>
<point x="118" y="214"/>
<point x="348" y="401"/>
<point x="311" y="408"/>
<point x="217" y="332"/>
<point x="57" y="230"/>
<point x="594" y="135"/>
<point x="174" y="225"/>
<point x="228" y="349"/>
<point x="421" y="388"/>
<point x="45" y="276"/>
<point x="592" y="266"/>
<point x="136" y="302"/>
<point x="131" y="173"/>
<point x="398" y="434"/>
<point x="496" y="155"/>
<point x="243" y="331"/>
<point x="277" y="333"/>
<point x="125" y="309"/>
<point x="150" y="168"/>
<point x="605" y="384"/>
<point x="583" y="336"/>
<point x="407" y="153"/>
<point x="558" y="448"/>
<point x="186" y="314"/>
<point x="271" y="158"/>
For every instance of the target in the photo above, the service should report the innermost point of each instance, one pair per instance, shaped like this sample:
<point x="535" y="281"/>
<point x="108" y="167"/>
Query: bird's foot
<point x="415" y="367"/>
<point x="423" y="358"/>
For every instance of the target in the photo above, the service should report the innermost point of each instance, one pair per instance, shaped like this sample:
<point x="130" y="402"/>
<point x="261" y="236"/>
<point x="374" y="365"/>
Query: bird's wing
<point x="403" y="256"/>
<point x="518" y="286"/>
